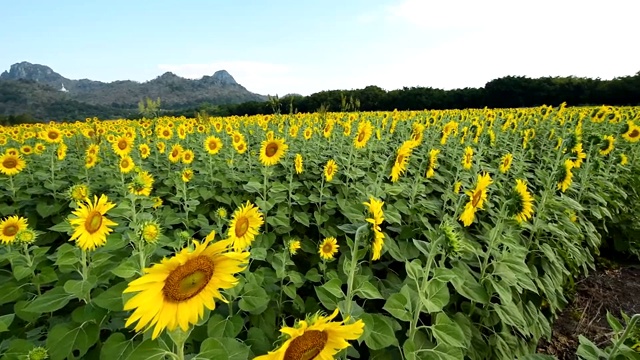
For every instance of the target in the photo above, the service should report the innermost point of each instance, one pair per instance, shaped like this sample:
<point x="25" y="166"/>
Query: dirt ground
<point x="614" y="288"/>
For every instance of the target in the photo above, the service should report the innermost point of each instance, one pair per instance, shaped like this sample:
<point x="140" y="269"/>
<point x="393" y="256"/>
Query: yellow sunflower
<point x="39" y="148"/>
<point x="632" y="133"/>
<point x="330" y="170"/>
<point x="187" y="156"/>
<point x="244" y="225"/>
<point x="11" y="164"/>
<point x="294" y="246"/>
<point x="467" y="160"/>
<point x="79" y="192"/>
<point x="52" y="135"/>
<point x="61" y="151"/>
<point x="176" y="153"/>
<point x="161" y="146"/>
<point x="126" y="164"/>
<point x="90" y="161"/>
<point x="91" y="227"/>
<point x="376" y="219"/>
<point x="149" y="231"/>
<point x="213" y="145"/>
<point x="402" y="159"/>
<point x="365" y="130"/>
<point x="308" y="132"/>
<point x="142" y="184"/>
<point x="144" y="150"/>
<point x="122" y="146"/>
<point x="318" y="337"/>
<point x="505" y="162"/>
<point x="328" y="248"/>
<point x="433" y="162"/>
<point x="580" y="155"/>
<point x="10" y="227"/>
<point x="477" y="197"/>
<point x="241" y="147"/>
<point x="187" y="175"/>
<point x="523" y="209"/>
<point x="607" y="145"/>
<point x="26" y="150"/>
<point x="272" y="151"/>
<point x="298" y="164"/>
<point x="174" y="292"/>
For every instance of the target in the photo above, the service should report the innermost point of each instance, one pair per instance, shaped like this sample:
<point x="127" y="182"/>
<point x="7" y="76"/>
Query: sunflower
<point x="328" y="248"/>
<point x="566" y="176"/>
<point x="308" y="132"/>
<point x="298" y="164"/>
<point x="93" y="149"/>
<point x="39" y="148"/>
<point x="157" y="202"/>
<point x="580" y="155"/>
<point x="149" y="231"/>
<point x="244" y="225"/>
<point x="10" y="227"/>
<point x="52" y="135"/>
<point x="122" y="146"/>
<point x="176" y="153"/>
<point x="79" y="192"/>
<point x="523" y="208"/>
<point x="61" y="151"/>
<point x="126" y="164"/>
<point x="161" y="146"/>
<point x="237" y="138"/>
<point x="174" y="292"/>
<point x="12" y="151"/>
<point x="142" y="184"/>
<point x="187" y="175"/>
<point x="377" y="217"/>
<point x="26" y="150"/>
<point x="477" y="197"/>
<point x="222" y="213"/>
<point x="293" y="131"/>
<point x="318" y="337"/>
<point x="330" y="169"/>
<point x="402" y="158"/>
<point x="607" y="145"/>
<point x="26" y="236"/>
<point x="241" y="147"/>
<point x="272" y="151"/>
<point x="144" y="150"/>
<point x="433" y="164"/>
<point x="294" y="246"/>
<point x="632" y="134"/>
<point x="164" y="132"/>
<point x="505" y="162"/>
<point x="90" y="161"/>
<point x="11" y="164"/>
<point x="467" y="160"/>
<point x="213" y="145"/>
<point x="91" y="226"/>
<point x="456" y="186"/>
<point x="187" y="156"/>
<point x="624" y="160"/>
<point x="365" y="130"/>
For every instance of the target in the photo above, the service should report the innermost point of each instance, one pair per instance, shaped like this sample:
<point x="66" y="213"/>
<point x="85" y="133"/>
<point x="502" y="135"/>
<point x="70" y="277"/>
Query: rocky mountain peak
<point x="224" y="78"/>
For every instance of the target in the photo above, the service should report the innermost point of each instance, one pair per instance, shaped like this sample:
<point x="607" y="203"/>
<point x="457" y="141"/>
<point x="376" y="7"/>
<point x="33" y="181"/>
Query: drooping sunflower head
<point x="298" y="164"/>
<point x="11" y="164"/>
<point x="91" y="226"/>
<point x="244" y="225"/>
<point x="175" y="292"/>
<point x="10" y="227"/>
<point x="272" y="151"/>
<point x="328" y="248"/>
<point x="607" y="145"/>
<point x="522" y="202"/>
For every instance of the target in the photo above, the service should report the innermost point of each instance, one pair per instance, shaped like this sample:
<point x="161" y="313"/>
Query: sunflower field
<point x="384" y="235"/>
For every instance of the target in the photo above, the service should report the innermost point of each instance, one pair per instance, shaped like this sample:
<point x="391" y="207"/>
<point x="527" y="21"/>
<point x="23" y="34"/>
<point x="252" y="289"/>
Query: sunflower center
<point x="9" y="163"/>
<point x="93" y="222"/>
<point x="10" y="230"/>
<point x="307" y="346"/>
<point x="124" y="163"/>
<point x="271" y="149"/>
<point x="242" y="226"/>
<point x="187" y="280"/>
<point x="467" y="158"/>
<point x="634" y="134"/>
<point x="53" y="135"/>
<point x="174" y="153"/>
<point x="475" y="200"/>
<point x="400" y="159"/>
<point x="327" y="248"/>
<point x="165" y="133"/>
<point x="361" y="136"/>
<point x="122" y="144"/>
<point x="213" y="145"/>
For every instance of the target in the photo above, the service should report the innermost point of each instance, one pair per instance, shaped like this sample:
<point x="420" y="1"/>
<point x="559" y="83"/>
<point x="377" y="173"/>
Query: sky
<point x="286" y="46"/>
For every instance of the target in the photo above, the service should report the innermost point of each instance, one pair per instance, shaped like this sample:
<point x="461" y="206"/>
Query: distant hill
<point x="37" y="88"/>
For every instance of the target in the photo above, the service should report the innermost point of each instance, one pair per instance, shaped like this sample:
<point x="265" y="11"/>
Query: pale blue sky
<point x="284" y="46"/>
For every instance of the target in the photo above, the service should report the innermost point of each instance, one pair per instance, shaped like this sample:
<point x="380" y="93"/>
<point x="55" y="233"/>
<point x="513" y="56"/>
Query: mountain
<point x="37" y="84"/>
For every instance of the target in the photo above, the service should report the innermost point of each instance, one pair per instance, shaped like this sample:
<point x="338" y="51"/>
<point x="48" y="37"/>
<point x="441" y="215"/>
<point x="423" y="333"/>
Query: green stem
<point x="352" y="269"/>
<point x="85" y="266"/>
<point x="264" y="197"/>
<point x="630" y="327"/>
